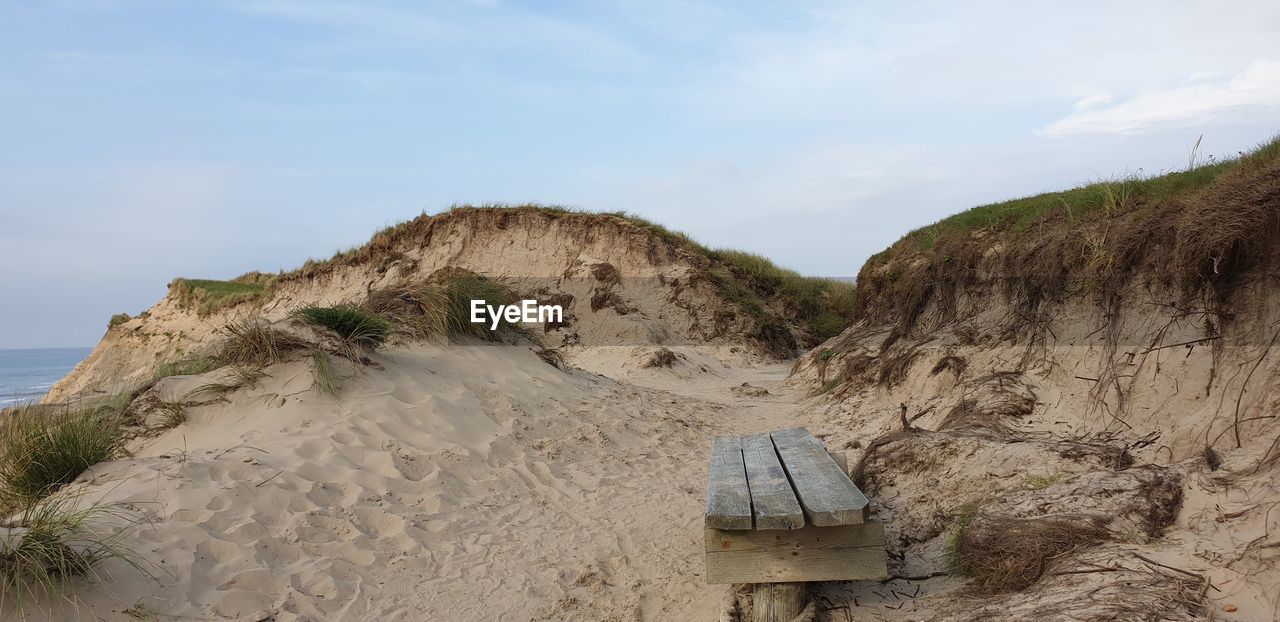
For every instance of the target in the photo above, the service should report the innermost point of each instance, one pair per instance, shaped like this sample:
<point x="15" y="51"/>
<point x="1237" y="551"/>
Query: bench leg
<point x="781" y="602"/>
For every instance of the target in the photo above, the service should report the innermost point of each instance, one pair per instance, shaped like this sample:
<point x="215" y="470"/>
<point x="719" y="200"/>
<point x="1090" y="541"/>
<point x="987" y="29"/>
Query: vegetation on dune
<point x="415" y="310"/>
<point x="43" y="449"/>
<point x="322" y="374"/>
<point x="189" y="365"/>
<point x="825" y="306"/>
<point x="206" y="296"/>
<point x="253" y="343"/>
<point x="353" y="324"/>
<point x="118" y="319"/>
<point x="1005" y="554"/>
<point x="59" y="539"/>
<point x="460" y="288"/>
<point x="1197" y="230"/>
<point x="769" y="294"/>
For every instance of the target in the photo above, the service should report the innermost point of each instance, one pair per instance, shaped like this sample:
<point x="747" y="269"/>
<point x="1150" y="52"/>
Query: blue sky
<point x="151" y="139"/>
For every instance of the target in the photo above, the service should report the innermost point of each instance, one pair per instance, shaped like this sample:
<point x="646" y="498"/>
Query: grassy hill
<point x="1195" y="230"/>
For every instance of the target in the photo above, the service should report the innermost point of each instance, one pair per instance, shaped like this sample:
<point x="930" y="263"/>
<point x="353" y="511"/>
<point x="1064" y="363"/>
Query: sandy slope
<point x="468" y="483"/>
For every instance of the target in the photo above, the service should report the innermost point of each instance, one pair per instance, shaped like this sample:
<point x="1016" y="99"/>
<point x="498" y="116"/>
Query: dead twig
<point x="268" y="479"/>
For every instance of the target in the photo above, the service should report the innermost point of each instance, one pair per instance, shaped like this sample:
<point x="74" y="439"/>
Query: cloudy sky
<point x="149" y="139"/>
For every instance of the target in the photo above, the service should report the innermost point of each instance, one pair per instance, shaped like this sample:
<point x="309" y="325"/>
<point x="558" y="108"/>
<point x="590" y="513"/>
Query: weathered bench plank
<point x="773" y="501"/>
<point x="851" y="552"/>
<point x="827" y="494"/>
<point x="848" y="536"/>
<point x="728" y="498"/>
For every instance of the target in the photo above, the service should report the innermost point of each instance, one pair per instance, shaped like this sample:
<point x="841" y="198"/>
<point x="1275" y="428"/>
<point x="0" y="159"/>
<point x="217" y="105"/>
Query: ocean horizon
<point x="27" y="374"/>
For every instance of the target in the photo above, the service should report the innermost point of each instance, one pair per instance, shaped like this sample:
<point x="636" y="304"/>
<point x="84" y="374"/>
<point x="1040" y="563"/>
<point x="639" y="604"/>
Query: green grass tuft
<point x="824" y="306"/>
<point x="960" y="520"/>
<point x="353" y="324"/>
<point x="322" y="374"/>
<point x="460" y="288"/>
<point x="206" y="296"/>
<point x="43" y="449"/>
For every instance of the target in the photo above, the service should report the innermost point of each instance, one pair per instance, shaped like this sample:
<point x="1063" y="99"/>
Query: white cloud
<point x="1093" y="100"/>
<point x="1258" y="86"/>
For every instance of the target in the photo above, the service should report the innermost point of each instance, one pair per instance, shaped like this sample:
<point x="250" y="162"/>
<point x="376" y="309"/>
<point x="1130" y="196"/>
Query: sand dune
<point x="461" y="483"/>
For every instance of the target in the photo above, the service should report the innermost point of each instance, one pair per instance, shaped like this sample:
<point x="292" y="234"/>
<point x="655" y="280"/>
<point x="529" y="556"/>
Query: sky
<point x="149" y="139"/>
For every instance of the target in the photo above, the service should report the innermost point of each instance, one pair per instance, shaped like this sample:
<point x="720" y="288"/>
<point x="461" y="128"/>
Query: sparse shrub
<point x="354" y="325"/>
<point x="118" y="319"/>
<point x="42" y="449"/>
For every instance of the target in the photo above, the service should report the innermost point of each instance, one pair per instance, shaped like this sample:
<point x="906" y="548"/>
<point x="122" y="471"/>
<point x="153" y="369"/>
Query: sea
<point x="26" y="375"/>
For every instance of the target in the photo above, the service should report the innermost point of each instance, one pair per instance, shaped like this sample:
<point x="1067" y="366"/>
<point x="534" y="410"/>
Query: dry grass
<point x="416" y="311"/>
<point x="1004" y="554"/>
<point x="253" y="343"/>
<point x="662" y="357"/>
<point x="232" y="378"/>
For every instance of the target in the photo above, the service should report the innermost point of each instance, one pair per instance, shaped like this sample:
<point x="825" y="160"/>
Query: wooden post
<point x="780" y="602"/>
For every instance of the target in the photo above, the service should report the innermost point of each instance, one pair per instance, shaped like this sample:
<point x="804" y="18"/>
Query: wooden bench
<point x="781" y="511"/>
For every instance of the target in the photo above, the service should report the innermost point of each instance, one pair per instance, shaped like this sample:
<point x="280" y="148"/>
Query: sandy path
<point x="468" y="484"/>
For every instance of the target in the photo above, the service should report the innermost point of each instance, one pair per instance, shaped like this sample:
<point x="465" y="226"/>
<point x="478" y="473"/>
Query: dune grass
<point x="1197" y="230"/>
<point x="253" y="343"/>
<point x="231" y="378"/>
<point x="206" y="296"/>
<point x="414" y="310"/>
<point x="822" y="306"/>
<point x="322" y="374"/>
<point x="61" y="539"/>
<point x="43" y="449"/>
<point x="460" y="288"/>
<point x="189" y="365"/>
<point x="826" y="306"/>
<point x="353" y="324"/>
<point x="1107" y="196"/>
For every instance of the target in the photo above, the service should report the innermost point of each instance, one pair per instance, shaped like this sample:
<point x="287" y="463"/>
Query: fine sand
<point x="460" y="483"/>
